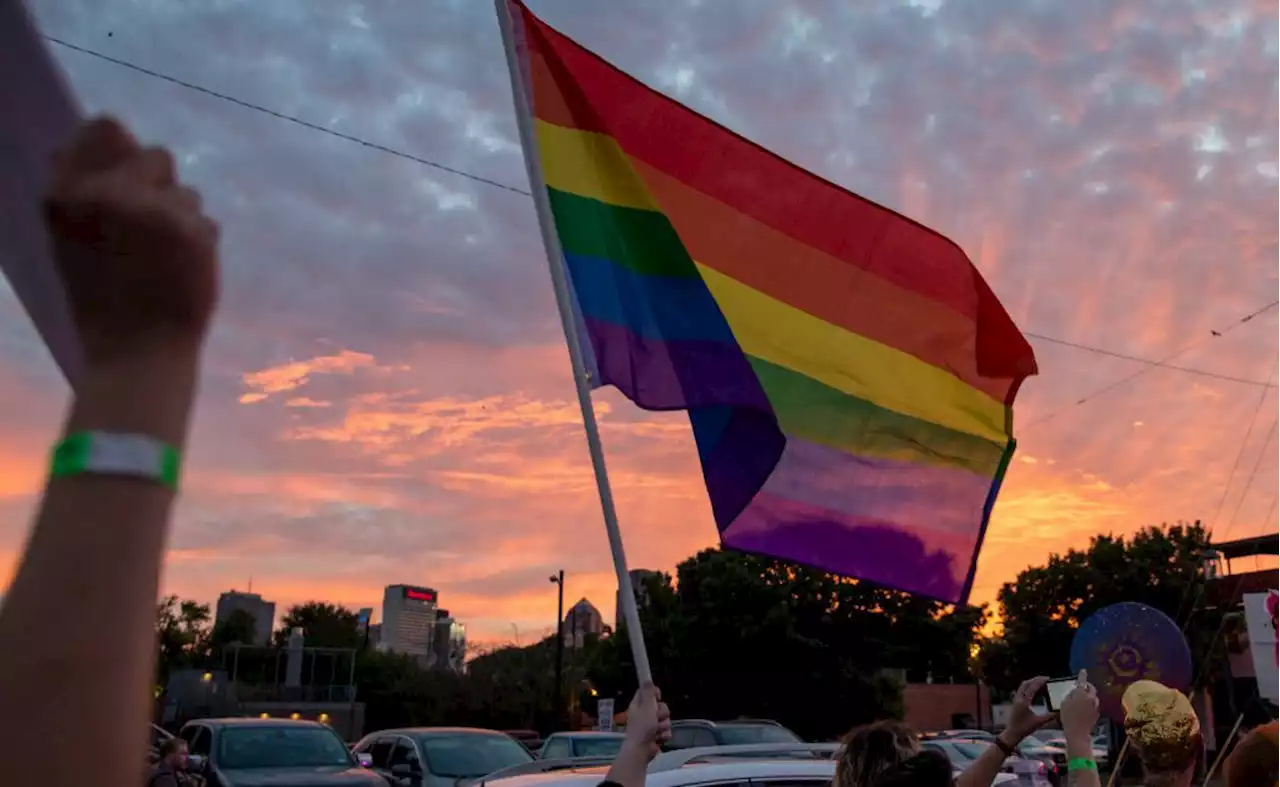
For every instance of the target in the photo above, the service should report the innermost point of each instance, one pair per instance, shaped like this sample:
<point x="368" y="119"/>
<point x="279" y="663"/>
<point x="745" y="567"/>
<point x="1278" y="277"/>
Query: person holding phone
<point x="1078" y="716"/>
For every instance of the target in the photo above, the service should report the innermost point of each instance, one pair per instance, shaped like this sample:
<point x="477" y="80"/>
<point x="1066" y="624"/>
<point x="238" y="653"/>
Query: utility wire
<point x="1148" y="361"/>
<point x="288" y="118"/>
<point x="1213" y="334"/>
<point x="1244" y="442"/>
<point x="1226" y="488"/>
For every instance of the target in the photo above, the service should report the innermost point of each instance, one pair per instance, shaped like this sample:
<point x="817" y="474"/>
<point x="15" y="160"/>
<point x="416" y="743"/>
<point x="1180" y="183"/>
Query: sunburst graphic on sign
<point x="1128" y="642"/>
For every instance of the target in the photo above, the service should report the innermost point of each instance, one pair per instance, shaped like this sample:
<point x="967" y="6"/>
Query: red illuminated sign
<point x="420" y="594"/>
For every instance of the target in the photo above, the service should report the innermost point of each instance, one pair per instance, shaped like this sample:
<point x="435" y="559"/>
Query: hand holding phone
<point x="1057" y="691"/>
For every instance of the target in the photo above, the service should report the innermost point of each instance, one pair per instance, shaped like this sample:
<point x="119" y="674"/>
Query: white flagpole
<point x="555" y="259"/>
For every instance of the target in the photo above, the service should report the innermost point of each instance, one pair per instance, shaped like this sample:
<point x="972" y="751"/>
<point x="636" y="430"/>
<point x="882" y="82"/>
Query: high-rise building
<point x="640" y="578"/>
<point x="449" y="643"/>
<point x="408" y="620"/>
<point x="263" y="613"/>
<point x="582" y="619"/>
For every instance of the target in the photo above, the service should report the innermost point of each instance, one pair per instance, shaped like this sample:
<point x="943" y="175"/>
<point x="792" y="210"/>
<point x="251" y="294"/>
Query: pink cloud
<point x="1063" y="145"/>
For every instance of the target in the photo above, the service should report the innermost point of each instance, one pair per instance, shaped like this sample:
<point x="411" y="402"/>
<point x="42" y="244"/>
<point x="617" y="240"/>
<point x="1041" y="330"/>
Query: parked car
<point x="1054" y="759"/>
<point x="698" y="733"/>
<point x="1025" y="772"/>
<point x="439" y="756"/>
<point x="530" y="739"/>
<point x="560" y="745"/>
<point x="969" y="735"/>
<point x="1051" y="743"/>
<point x="275" y="752"/>
<point x="758" y="764"/>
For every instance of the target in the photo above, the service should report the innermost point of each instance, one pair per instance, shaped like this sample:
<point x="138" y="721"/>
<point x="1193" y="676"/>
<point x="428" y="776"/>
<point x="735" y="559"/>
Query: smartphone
<point x="1057" y="691"/>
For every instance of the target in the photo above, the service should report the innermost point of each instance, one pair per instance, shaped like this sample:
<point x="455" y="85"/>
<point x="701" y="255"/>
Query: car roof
<point x="734" y="769"/>
<point x="249" y="722"/>
<point x="584" y="734"/>
<point x="427" y="732"/>
<point x="729" y="723"/>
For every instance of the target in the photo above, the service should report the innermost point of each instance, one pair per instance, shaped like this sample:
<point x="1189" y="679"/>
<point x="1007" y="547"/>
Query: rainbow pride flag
<point x="848" y="374"/>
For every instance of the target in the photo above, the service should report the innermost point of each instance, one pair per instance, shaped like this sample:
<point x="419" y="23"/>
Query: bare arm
<point x="986" y="768"/>
<point x="1079" y="716"/>
<point x="138" y="261"/>
<point x="83" y="602"/>
<point x="1022" y="722"/>
<point x="648" y="727"/>
<point x="1080" y="746"/>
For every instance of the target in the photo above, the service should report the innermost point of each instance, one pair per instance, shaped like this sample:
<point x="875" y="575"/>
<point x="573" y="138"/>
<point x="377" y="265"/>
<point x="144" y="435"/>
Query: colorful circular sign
<point x="1128" y="642"/>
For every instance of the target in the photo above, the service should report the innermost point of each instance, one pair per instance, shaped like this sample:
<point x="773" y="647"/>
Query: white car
<point x="1018" y="770"/>
<point x="796" y="765"/>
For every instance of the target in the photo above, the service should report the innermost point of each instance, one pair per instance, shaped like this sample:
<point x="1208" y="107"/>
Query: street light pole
<point x="558" y="581"/>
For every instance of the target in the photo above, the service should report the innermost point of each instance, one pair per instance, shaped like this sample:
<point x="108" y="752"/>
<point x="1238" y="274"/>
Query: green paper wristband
<point x="1081" y="764"/>
<point x="106" y="453"/>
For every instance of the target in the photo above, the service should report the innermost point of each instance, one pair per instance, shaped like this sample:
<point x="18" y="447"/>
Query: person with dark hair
<point x="1253" y="763"/>
<point x="926" y="769"/>
<point x="172" y="766"/>
<point x="889" y="753"/>
<point x="872" y="750"/>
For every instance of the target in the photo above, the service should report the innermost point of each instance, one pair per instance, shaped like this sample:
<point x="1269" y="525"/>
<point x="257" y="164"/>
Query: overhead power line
<point x="1150" y="362"/>
<point x="287" y="118"/>
<point x="1162" y="363"/>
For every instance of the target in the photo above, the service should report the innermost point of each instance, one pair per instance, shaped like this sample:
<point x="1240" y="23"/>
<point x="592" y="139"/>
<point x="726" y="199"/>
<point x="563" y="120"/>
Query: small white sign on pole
<point x="604" y="715"/>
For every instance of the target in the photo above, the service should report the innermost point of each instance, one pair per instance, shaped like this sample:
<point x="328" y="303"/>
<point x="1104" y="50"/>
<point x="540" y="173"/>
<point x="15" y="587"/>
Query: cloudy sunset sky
<point x="387" y="396"/>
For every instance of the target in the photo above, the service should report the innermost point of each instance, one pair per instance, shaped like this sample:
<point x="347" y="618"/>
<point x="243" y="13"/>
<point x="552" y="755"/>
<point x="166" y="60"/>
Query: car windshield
<point x="734" y="734"/>
<point x="597" y="746"/>
<point x="1048" y="736"/>
<point x="280" y="747"/>
<point x="468" y="756"/>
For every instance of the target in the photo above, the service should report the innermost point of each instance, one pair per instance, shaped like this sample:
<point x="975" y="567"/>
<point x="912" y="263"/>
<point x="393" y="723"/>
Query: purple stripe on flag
<point x="889" y="554"/>
<point x="659" y="375"/>
<point x="733" y="423"/>
<point x="937" y="500"/>
<point x="739" y="448"/>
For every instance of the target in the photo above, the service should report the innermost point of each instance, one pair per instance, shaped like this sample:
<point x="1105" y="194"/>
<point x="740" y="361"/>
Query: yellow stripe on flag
<point x="590" y="165"/>
<point x="783" y="335"/>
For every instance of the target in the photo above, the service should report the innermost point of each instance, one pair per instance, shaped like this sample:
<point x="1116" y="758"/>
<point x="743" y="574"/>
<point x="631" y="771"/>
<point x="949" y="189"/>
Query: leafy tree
<point x="323" y="625"/>
<point x="737" y="635"/>
<point x="1042" y="609"/>
<point x="182" y="634"/>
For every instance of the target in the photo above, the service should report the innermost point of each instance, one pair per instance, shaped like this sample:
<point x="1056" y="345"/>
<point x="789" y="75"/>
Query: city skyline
<point x="583" y="612"/>
<point x="386" y="392"/>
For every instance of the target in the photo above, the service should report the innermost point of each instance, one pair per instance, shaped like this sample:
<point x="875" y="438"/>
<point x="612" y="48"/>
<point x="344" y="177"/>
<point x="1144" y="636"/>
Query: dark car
<point x="274" y="753"/>
<point x="439" y="756"/>
<point x="530" y="739"/>
<point x="692" y="733"/>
